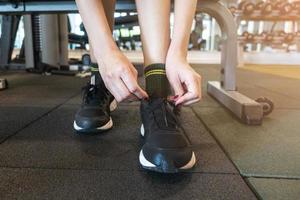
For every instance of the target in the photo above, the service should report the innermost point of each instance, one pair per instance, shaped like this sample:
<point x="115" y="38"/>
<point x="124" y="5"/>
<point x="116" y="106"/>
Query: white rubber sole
<point x="145" y="163"/>
<point x="113" y="105"/>
<point x="107" y="126"/>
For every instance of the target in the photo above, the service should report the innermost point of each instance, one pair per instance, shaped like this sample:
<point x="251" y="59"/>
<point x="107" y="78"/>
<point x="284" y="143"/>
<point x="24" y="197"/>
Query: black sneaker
<point x="94" y="114"/>
<point x="167" y="148"/>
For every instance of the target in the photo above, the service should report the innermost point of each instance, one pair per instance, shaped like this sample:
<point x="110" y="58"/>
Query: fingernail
<point x="174" y="97"/>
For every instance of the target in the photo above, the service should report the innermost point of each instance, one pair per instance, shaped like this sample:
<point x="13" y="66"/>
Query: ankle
<point x="157" y="84"/>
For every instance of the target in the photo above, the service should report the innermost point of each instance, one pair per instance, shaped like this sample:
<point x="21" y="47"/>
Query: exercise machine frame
<point x="225" y="91"/>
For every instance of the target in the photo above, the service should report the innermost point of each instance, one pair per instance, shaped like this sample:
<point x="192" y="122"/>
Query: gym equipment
<point x="276" y="38"/>
<point x="267" y="9"/>
<point x="296" y="6"/>
<point x="289" y="38"/>
<point x="225" y="91"/>
<point x="259" y="5"/>
<point x="248" y="36"/>
<point x="3" y="84"/>
<point x="86" y="59"/>
<point x="9" y="29"/>
<point x="268" y="105"/>
<point x="232" y="9"/>
<point x="82" y="40"/>
<point x="269" y="38"/>
<point x="129" y="40"/>
<point x="286" y="8"/>
<point x="51" y="6"/>
<point x="247" y="7"/>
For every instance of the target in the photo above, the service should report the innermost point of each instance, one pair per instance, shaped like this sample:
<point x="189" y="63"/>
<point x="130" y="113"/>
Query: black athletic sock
<point x="157" y="84"/>
<point x="95" y="77"/>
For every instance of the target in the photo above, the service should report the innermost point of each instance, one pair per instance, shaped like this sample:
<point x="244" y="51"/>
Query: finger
<point x="173" y="98"/>
<point x="111" y="88"/>
<point x="134" y="71"/>
<point x="120" y="89"/>
<point x="115" y="93"/>
<point x="133" y="87"/>
<point x="177" y="86"/>
<point x="193" y="85"/>
<point x="191" y="102"/>
<point x="189" y="96"/>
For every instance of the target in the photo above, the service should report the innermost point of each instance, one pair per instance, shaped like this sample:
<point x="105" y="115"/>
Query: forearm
<point x="184" y="13"/>
<point x="94" y="19"/>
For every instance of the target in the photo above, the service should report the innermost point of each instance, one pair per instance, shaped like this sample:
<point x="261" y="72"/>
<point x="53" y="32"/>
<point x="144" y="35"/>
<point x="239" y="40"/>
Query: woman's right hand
<point x="120" y="77"/>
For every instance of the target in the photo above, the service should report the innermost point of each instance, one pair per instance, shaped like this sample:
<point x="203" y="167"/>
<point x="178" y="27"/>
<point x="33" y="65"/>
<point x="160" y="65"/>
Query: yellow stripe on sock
<point x="94" y="69"/>
<point x="156" y="71"/>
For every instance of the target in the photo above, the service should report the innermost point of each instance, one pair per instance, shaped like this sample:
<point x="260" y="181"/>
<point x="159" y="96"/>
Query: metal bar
<point x="50" y="39"/>
<point x="50" y="6"/>
<point x="229" y="33"/>
<point x="10" y="8"/>
<point x="224" y="91"/>
<point x="247" y="110"/>
<point x="28" y="42"/>
<point x="63" y="40"/>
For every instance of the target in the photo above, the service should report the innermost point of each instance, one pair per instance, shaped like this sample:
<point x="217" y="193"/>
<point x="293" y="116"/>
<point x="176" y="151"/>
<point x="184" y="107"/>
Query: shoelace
<point x="165" y="111"/>
<point x="168" y="112"/>
<point x="90" y="94"/>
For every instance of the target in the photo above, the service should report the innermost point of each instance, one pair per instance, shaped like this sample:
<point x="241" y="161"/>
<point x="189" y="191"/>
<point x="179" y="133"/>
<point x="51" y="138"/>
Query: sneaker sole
<point x="150" y="166"/>
<point x="113" y="106"/>
<point x="105" y="127"/>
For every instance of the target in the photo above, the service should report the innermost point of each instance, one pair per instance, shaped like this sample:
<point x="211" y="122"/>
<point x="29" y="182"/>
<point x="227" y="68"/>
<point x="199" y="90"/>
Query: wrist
<point x="177" y="51"/>
<point x="103" y="53"/>
<point x="175" y="56"/>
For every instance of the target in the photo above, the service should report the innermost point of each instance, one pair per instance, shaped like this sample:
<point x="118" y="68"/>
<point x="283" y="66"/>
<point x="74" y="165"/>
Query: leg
<point x="91" y="117"/>
<point x="154" y="18"/>
<point x="166" y="147"/>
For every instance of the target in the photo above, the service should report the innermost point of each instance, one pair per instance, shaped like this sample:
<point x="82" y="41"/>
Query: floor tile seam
<point x="253" y="189"/>
<point x="35" y="120"/>
<point x="277" y="177"/>
<point x="104" y="170"/>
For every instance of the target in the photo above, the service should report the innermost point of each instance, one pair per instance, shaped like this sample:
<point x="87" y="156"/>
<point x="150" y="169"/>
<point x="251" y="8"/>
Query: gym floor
<point x="42" y="158"/>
